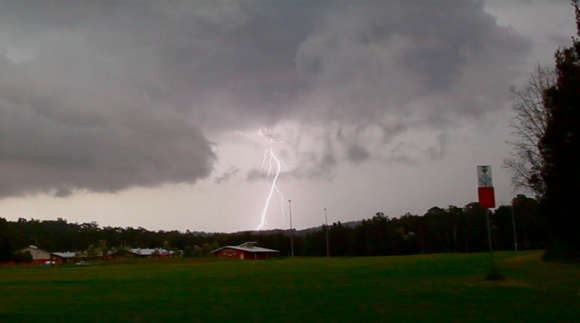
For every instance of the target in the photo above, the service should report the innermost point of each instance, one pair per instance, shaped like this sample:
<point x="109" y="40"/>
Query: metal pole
<point x="489" y="235"/>
<point x="327" y="247"/>
<point x="514" y="225"/>
<point x="291" y="233"/>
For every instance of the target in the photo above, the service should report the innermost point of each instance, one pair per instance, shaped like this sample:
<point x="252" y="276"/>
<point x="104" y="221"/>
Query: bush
<point x="20" y="257"/>
<point x="188" y="252"/>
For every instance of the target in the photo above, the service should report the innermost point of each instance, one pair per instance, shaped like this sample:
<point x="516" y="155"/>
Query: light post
<point x="291" y="233"/>
<point x="326" y="221"/>
<point x="514" y="225"/>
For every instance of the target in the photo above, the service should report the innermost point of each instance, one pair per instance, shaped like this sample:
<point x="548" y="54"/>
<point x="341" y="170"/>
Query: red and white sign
<point x="485" y="190"/>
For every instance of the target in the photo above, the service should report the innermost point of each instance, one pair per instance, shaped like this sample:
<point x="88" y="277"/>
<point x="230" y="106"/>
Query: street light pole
<point x="327" y="246"/>
<point x="514" y="225"/>
<point x="291" y="234"/>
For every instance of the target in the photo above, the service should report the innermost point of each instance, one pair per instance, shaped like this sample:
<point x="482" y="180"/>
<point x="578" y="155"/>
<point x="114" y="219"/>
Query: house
<point x="40" y="256"/>
<point x="246" y="250"/>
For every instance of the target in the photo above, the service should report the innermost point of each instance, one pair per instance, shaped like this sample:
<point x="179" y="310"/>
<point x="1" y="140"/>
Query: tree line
<point x="439" y="230"/>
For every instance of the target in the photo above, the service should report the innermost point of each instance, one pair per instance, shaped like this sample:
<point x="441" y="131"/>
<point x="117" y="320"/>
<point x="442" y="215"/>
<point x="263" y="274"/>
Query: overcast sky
<point x="147" y="113"/>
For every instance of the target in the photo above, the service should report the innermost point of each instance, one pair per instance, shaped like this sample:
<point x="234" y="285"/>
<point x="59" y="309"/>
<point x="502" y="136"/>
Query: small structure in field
<point x="246" y="250"/>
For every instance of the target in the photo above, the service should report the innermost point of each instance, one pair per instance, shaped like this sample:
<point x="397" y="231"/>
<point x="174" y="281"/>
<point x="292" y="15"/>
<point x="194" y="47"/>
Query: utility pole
<point x="327" y="247"/>
<point x="291" y="233"/>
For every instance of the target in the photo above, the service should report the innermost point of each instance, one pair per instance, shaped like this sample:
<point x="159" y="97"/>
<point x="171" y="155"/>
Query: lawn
<point x="445" y="287"/>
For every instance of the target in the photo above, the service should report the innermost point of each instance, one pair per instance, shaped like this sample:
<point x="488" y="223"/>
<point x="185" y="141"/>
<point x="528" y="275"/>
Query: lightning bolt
<point x="271" y="157"/>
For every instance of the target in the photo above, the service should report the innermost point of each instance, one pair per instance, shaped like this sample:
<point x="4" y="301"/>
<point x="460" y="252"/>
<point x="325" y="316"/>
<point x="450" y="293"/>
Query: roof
<point x="149" y="252"/>
<point x="248" y="246"/>
<point x="58" y="254"/>
<point x="65" y="254"/>
<point x="35" y="248"/>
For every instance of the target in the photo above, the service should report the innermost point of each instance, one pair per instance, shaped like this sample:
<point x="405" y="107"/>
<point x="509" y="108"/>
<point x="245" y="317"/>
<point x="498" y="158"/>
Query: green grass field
<point x="442" y="288"/>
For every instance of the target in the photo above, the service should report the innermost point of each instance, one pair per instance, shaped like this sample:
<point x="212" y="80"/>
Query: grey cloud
<point x="63" y="192"/>
<point x="559" y="40"/>
<point x="316" y="164"/>
<point x="255" y="175"/>
<point x="106" y="95"/>
<point x="357" y="153"/>
<point x="55" y="137"/>
<point x="413" y="64"/>
<point x="413" y="153"/>
<point x="226" y="175"/>
<point x="312" y="164"/>
<point x="390" y="131"/>
<point x="380" y="58"/>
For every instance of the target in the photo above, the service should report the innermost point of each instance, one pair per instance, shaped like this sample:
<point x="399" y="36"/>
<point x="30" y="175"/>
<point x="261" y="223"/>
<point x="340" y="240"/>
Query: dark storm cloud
<point x="63" y="192"/>
<point x="378" y="58"/>
<point x="56" y="135"/>
<point x="105" y="95"/>
<point x="428" y="65"/>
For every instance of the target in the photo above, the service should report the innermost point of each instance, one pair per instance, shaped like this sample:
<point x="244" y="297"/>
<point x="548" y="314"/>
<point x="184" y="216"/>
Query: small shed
<point x="247" y="250"/>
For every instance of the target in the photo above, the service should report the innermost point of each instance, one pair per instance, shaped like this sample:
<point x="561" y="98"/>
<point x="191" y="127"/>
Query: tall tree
<point x="455" y="214"/>
<point x="529" y="126"/>
<point x="560" y="148"/>
<point x="6" y="248"/>
<point x="530" y="225"/>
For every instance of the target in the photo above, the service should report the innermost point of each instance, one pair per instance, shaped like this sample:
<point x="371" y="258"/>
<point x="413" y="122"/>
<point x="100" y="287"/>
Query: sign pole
<point x="487" y="212"/>
<point x="486" y="197"/>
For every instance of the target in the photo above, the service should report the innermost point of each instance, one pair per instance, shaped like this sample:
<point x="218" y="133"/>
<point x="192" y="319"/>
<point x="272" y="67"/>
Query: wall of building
<point x="38" y="254"/>
<point x="231" y="253"/>
<point x="265" y="255"/>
